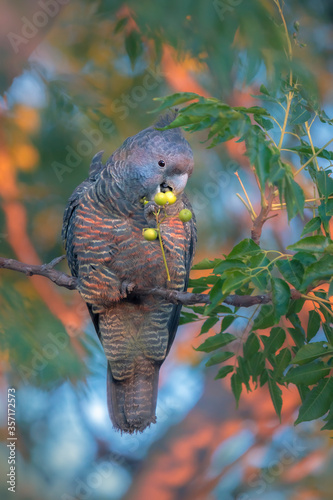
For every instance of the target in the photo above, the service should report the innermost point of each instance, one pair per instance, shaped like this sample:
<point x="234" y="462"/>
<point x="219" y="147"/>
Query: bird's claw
<point x="126" y="287"/>
<point x="150" y="211"/>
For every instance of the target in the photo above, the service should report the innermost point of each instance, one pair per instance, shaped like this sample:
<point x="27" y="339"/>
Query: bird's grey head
<point x="155" y="160"/>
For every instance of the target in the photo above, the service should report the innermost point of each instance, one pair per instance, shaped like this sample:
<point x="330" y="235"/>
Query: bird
<point x="102" y="232"/>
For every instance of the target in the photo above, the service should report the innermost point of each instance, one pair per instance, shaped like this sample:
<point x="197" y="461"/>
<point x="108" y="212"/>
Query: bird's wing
<point x="74" y="200"/>
<point x="67" y="232"/>
<point x="191" y="241"/>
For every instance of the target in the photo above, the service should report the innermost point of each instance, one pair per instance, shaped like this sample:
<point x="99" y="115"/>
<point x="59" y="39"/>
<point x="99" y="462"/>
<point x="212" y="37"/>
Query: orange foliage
<point x="27" y="118"/>
<point x="25" y="156"/>
<point x="16" y="226"/>
<point x="178" y="73"/>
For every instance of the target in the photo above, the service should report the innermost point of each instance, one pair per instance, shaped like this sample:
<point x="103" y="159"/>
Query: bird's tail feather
<point x="132" y="401"/>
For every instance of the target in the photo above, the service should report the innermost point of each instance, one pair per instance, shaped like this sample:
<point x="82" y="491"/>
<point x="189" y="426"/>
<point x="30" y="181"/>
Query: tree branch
<point x="260" y="220"/>
<point x="187" y="298"/>
<point x="173" y="296"/>
<point x="46" y="270"/>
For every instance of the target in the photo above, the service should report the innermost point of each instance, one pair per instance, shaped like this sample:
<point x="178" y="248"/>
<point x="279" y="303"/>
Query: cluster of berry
<point x="163" y="199"/>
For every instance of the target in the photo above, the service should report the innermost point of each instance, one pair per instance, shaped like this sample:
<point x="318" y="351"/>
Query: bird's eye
<point x="161" y="163"/>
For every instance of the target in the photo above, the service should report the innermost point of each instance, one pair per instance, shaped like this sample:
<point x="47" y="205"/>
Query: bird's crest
<point x="165" y="119"/>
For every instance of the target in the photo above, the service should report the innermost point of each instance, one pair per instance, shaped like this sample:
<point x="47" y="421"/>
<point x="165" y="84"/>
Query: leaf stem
<point x="313" y="157"/>
<point x="307" y="128"/>
<point x="163" y="253"/>
<point x="286" y="116"/>
<point x="322" y="302"/>
<point x="254" y="215"/>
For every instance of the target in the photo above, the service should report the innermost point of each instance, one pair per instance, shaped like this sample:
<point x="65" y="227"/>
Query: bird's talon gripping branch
<point x="126" y="288"/>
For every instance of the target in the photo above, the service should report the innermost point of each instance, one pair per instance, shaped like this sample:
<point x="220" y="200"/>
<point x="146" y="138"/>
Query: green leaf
<point x="308" y="374"/>
<point x="245" y="247"/>
<point x="266" y="124"/>
<point x="274" y="341"/>
<point x="312" y="351"/>
<point x="297" y="333"/>
<point x="305" y="258"/>
<point x="237" y="280"/>
<point x="276" y="396"/>
<point x="256" y="110"/>
<point x="295" y="306"/>
<point x="317" y="402"/>
<point x="281" y="361"/>
<point x="261" y="277"/>
<point x="133" y="46"/>
<point x="322" y="269"/>
<point x="174" y="99"/>
<point x="328" y="330"/>
<point x="199" y="282"/>
<point x="121" y="25"/>
<point x="329" y="420"/>
<point x="213" y="343"/>
<point x="300" y="115"/>
<point x="187" y="317"/>
<point x="264" y="90"/>
<point x="265" y="318"/>
<point x="208" y="324"/>
<point x="226" y="322"/>
<point x="280" y="296"/>
<point x="294" y="197"/>
<point x="256" y="365"/>
<point x="313" y="325"/>
<point x="292" y="271"/>
<point x="303" y="391"/>
<point x="223" y="372"/>
<point x="236" y="386"/>
<point x="243" y="371"/>
<point x="263" y="378"/>
<point x="297" y="336"/>
<point x="228" y="264"/>
<point x="263" y="161"/>
<point x="215" y="295"/>
<point x="316" y="244"/>
<point x="328" y="426"/>
<point x="325" y="211"/>
<point x="219" y="357"/>
<point x="206" y="264"/>
<point x="311" y="226"/>
<point x="251" y="346"/>
<point x="307" y="150"/>
<point x="324" y="183"/>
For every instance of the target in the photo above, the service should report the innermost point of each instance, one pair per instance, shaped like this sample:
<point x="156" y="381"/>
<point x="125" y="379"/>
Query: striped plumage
<point x="103" y="225"/>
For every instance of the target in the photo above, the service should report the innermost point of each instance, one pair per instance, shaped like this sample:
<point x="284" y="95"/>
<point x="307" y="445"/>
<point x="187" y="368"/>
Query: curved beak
<point x="175" y="183"/>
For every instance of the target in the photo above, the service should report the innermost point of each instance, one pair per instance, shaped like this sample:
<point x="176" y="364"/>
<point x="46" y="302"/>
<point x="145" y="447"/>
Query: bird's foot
<point x="126" y="288"/>
<point x="150" y="211"/>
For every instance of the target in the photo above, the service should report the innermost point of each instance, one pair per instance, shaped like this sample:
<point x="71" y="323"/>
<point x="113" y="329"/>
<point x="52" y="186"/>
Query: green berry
<point x="150" y="234"/>
<point x="185" y="215"/>
<point x="171" y="198"/>
<point x="160" y="199"/>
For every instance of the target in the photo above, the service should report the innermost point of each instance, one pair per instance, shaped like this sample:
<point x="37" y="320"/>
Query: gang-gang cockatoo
<point x="106" y="251"/>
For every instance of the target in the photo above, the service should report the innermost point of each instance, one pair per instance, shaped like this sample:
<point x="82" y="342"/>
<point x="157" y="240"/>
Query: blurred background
<point x="77" y="77"/>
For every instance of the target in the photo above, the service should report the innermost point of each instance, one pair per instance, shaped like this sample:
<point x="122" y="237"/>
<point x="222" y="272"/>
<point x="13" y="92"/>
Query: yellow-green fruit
<point x="150" y="234"/>
<point x="145" y="202"/>
<point x="171" y="198"/>
<point x="160" y="199"/>
<point x="185" y="215"/>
